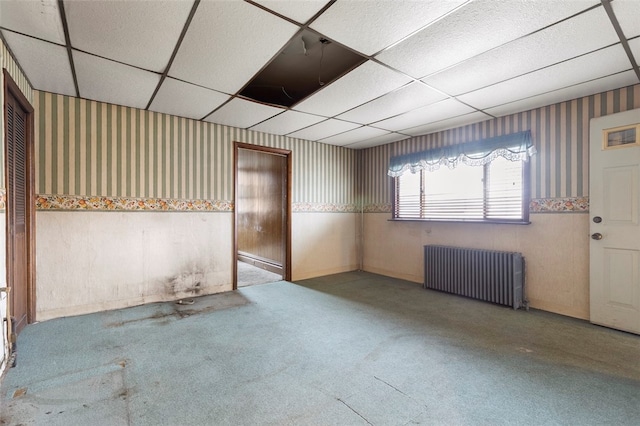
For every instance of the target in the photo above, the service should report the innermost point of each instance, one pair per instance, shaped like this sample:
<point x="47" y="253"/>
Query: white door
<point x="614" y="194"/>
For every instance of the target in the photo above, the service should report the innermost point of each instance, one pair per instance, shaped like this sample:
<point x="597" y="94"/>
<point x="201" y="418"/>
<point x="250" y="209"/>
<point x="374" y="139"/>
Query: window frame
<point x="526" y="199"/>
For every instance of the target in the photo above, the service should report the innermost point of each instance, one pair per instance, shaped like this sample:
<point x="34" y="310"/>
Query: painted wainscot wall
<point x="555" y="244"/>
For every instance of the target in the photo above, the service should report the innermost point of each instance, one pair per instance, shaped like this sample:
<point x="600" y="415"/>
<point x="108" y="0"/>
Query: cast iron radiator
<point x="492" y="276"/>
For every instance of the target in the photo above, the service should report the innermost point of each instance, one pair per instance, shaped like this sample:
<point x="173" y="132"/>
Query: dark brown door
<point x="18" y="223"/>
<point x="262" y="207"/>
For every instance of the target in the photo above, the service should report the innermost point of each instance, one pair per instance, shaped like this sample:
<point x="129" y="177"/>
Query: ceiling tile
<point x="405" y="99"/>
<point x="107" y="81"/>
<point x="449" y="123"/>
<point x="425" y="115"/>
<point x="139" y="33"/>
<point x="299" y="11"/>
<point x="227" y="43"/>
<point x="588" y="67"/>
<point x="186" y="100"/>
<point x="628" y="14"/>
<point x="366" y="82"/>
<point x="287" y="122"/>
<point x="604" y="84"/>
<point x="46" y="64"/>
<point x="379" y="23"/>
<point x="352" y="136"/>
<point x="476" y="27"/>
<point x="39" y="19"/>
<point x="323" y="130"/>
<point x="587" y="32"/>
<point x="242" y="114"/>
<point x="635" y="48"/>
<point x="378" y="140"/>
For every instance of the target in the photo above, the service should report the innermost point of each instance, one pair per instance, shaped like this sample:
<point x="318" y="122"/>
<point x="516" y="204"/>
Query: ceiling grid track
<point x="623" y="40"/>
<point x="67" y="38"/>
<point x="174" y="53"/>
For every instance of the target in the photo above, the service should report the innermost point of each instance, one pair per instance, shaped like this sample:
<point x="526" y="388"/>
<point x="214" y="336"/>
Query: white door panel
<point x="615" y="244"/>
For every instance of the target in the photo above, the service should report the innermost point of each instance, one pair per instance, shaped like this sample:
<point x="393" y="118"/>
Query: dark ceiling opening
<point x="308" y="62"/>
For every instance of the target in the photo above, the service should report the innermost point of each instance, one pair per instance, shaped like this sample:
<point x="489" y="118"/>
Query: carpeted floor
<point x="252" y="275"/>
<point x="347" y="349"/>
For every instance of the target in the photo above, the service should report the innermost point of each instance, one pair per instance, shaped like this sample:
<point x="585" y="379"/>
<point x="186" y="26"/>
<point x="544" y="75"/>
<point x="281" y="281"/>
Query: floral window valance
<point x="513" y="147"/>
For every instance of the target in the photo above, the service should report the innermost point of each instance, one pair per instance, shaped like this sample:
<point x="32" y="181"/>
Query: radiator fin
<point x="489" y="275"/>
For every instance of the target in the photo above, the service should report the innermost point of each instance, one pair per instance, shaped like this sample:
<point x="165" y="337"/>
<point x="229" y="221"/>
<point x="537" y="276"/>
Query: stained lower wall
<point x="99" y="260"/>
<point x="94" y="261"/>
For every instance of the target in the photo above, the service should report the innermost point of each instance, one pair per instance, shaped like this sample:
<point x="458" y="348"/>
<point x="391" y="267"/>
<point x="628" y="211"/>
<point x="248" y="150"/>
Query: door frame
<point x="286" y="267"/>
<point x="10" y="86"/>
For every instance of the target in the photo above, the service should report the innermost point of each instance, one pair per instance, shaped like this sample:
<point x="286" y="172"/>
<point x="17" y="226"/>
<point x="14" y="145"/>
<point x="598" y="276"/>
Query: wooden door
<point x="262" y="208"/>
<point x="615" y="221"/>
<point x="18" y="119"/>
<point x="261" y="205"/>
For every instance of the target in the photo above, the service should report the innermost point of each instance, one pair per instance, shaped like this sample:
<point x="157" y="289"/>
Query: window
<point x="487" y="184"/>
<point x="494" y="192"/>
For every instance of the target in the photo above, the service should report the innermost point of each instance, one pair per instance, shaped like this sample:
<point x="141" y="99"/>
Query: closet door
<point x="18" y="132"/>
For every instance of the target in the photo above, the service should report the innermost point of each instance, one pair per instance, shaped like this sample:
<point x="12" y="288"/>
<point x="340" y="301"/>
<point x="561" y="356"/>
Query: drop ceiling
<point x="428" y="65"/>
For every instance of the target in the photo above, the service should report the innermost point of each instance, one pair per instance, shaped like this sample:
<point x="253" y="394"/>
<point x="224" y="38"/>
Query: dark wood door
<point x="17" y="172"/>
<point x="261" y="206"/>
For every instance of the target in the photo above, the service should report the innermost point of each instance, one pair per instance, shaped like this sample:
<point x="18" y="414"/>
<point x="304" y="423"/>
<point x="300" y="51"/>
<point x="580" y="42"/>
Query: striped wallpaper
<point x="560" y="133"/>
<point x="89" y="148"/>
<point x="7" y="62"/>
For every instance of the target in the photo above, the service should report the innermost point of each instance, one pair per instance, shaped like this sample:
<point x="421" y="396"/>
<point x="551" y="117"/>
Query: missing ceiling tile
<point x="308" y="62"/>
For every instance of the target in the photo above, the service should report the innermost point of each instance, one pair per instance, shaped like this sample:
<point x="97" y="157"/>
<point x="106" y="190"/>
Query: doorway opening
<point x="19" y="175"/>
<point x="262" y="228"/>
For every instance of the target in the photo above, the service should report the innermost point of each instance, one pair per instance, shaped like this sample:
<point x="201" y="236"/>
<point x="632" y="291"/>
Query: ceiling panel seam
<point x="540" y="69"/>
<point x="557" y="90"/>
<point x="623" y="39"/>
<point x="164" y="75"/>
<point x="408" y="36"/>
<point x="508" y="42"/>
<point x="67" y="38"/>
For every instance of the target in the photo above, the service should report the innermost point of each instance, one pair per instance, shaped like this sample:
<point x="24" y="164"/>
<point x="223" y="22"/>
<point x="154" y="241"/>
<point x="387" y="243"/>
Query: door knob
<point x="596" y="236"/>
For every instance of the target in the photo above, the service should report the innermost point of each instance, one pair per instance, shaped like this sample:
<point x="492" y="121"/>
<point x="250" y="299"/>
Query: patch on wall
<point x="72" y="202"/>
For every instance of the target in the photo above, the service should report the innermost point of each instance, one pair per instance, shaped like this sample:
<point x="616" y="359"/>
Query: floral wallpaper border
<point x="378" y="208"/>
<point x="70" y="202"/>
<point x="559" y="205"/>
<point x="3" y="199"/>
<point x="323" y="208"/>
<point x="537" y="205"/>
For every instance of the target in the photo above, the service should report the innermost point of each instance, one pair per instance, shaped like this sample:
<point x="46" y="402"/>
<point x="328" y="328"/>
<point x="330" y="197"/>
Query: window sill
<point x="488" y="222"/>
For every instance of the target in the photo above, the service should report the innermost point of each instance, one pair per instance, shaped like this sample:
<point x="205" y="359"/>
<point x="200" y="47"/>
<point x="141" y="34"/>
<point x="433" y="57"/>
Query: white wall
<point x="555" y="247"/>
<point x="323" y="244"/>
